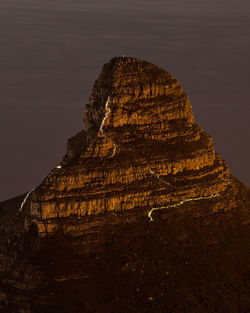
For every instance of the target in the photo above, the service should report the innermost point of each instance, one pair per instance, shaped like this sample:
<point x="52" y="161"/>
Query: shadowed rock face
<point x="140" y="148"/>
<point x="141" y="215"/>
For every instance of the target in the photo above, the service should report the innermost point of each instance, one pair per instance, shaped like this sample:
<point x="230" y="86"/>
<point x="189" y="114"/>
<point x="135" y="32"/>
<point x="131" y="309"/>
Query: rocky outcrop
<point x="140" y="149"/>
<point x="140" y="216"/>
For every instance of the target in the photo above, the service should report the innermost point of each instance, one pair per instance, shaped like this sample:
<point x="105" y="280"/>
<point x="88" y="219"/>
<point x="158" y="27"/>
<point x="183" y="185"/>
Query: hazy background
<point x="51" y="51"/>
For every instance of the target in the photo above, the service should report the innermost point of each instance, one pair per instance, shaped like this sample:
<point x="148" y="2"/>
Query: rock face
<point x="140" y="149"/>
<point x="140" y="216"/>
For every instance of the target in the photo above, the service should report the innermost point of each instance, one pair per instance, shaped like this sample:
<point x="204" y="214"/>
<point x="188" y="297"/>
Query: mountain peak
<point x="131" y="220"/>
<point x="140" y="150"/>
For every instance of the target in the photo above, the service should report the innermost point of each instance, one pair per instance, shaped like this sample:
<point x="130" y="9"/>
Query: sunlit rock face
<point x="140" y="216"/>
<point x="140" y="149"/>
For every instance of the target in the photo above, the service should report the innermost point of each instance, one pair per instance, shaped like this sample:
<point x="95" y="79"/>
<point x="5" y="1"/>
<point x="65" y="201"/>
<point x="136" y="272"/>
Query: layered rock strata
<point x="140" y="150"/>
<point x="140" y="216"/>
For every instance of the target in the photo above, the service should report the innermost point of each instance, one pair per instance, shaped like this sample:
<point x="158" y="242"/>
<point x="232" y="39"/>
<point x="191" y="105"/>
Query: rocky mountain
<point x="140" y="216"/>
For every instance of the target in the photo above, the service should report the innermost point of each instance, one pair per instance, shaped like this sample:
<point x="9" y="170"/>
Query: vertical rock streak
<point x="25" y="199"/>
<point x="29" y="193"/>
<point x="107" y="111"/>
<point x="101" y="133"/>
<point x="114" y="149"/>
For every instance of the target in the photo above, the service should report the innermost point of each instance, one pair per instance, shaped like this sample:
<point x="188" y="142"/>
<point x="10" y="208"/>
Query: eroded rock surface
<point x="140" y="148"/>
<point x="140" y="216"/>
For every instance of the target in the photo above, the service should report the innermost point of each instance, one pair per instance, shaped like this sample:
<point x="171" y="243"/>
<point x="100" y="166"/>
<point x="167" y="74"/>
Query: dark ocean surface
<point x="52" y="51"/>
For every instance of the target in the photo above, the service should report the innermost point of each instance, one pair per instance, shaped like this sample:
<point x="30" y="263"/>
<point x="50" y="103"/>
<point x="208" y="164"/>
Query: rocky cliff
<point x="140" y="149"/>
<point x="140" y="216"/>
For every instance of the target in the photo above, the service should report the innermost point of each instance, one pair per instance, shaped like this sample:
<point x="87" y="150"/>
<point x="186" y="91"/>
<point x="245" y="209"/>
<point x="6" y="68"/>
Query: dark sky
<point x="52" y="51"/>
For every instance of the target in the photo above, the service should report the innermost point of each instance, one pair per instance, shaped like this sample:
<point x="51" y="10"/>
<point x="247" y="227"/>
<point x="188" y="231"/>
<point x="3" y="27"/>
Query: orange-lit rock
<point x="140" y="147"/>
<point x="140" y="216"/>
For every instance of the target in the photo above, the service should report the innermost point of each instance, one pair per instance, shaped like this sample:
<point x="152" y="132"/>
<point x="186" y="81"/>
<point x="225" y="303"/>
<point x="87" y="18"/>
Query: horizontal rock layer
<point x="193" y="257"/>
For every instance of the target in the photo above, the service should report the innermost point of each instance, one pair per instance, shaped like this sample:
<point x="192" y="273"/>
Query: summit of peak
<point x="137" y="90"/>
<point x="138" y="70"/>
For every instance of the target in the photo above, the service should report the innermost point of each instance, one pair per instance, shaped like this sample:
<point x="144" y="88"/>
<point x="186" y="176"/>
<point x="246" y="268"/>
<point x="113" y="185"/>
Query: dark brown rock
<point x="141" y="215"/>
